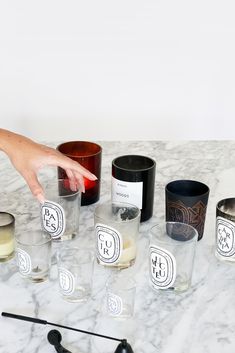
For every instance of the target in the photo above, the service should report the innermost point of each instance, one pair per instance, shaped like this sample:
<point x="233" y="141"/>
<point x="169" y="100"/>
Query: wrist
<point x="5" y="138"/>
<point x="9" y="140"/>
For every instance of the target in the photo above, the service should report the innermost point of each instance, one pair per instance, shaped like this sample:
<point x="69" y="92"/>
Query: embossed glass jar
<point x="186" y="202"/>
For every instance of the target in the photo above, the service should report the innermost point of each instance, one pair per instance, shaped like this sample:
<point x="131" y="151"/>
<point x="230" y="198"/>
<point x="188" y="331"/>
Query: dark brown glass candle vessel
<point x="88" y="154"/>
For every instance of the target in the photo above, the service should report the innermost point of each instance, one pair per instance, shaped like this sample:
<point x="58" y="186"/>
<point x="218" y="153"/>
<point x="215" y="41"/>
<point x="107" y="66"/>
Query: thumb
<point x="35" y="187"/>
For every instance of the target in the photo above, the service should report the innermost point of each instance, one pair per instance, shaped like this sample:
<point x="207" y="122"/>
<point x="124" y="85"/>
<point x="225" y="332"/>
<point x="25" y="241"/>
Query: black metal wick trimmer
<point x="54" y="337"/>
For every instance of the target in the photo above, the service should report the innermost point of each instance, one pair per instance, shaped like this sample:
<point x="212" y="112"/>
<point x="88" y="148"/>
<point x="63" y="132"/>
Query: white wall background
<point x="126" y="69"/>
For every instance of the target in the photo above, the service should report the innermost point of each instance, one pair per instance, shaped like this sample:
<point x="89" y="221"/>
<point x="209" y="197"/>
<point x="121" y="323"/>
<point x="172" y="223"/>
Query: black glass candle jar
<point x="133" y="179"/>
<point x="186" y="202"/>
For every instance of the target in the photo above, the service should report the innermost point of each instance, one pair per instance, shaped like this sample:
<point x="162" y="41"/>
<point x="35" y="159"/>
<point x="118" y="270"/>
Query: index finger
<point x="68" y="163"/>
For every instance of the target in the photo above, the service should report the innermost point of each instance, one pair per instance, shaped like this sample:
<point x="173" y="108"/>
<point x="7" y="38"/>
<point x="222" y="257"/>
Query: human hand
<point x="28" y="157"/>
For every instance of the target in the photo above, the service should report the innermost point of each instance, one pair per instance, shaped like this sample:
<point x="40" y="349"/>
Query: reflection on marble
<point x="202" y="320"/>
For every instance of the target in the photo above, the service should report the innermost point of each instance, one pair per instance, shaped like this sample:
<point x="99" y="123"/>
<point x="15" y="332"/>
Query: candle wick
<point x="36" y="269"/>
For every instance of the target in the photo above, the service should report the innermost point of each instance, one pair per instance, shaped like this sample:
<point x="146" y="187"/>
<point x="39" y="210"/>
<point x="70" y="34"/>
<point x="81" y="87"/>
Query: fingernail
<point x="94" y="177"/>
<point x="73" y="187"/>
<point x="41" y="198"/>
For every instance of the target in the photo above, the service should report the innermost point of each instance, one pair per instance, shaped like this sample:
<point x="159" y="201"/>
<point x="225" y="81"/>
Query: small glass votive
<point x="225" y="230"/>
<point x="60" y="212"/>
<point x="75" y="268"/>
<point x="116" y="228"/>
<point x="89" y="155"/>
<point x="33" y="255"/>
<point x="171" y="256"/>
<point x="120" y="296"/>
<point x="7" y="240"/>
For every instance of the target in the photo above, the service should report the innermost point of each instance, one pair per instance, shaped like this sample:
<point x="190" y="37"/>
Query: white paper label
<point x="162" y="266"/>
<point x="108" y="244"/>
<point x="225" y="237"/>
<point x="53" y="219"/>
<point x="66" y="281"/>
<point x="125" y="191"/>
<point x="23" y="261"/>
<point x="114" y="304"/>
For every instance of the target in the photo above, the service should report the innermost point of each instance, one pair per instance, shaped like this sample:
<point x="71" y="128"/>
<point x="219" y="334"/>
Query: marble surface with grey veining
<point x="201" y="320"/>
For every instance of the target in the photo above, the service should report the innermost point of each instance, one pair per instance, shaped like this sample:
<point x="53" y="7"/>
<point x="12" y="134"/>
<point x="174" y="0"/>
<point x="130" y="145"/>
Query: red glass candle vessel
<point x="88" y="154"/>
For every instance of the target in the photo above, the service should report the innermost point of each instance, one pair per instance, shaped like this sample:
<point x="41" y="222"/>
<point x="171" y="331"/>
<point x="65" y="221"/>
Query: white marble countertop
<point x="201" y="320"/>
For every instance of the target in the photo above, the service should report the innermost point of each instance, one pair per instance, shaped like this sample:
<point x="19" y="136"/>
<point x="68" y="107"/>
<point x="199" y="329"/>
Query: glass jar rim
<point x="53" y="181"/>
<point x="221" y="203"/>
<point x="122" y="204"/>
<point x="70" y="250"/>
<point x="46" y="238"/>
<point x="88" y="143"/>
<point x="11" y="219"/>
<point x="116" y="165"/>
<point x="193" y="183"/>
<point x="161" y="227"/>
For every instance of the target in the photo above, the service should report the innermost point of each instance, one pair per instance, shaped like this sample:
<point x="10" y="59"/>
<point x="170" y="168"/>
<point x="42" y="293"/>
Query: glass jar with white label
<point x="225" y="230"/>
<point x="171" y="256"/>
<point x="116" y="229"/>
<point x="61" y="209"/>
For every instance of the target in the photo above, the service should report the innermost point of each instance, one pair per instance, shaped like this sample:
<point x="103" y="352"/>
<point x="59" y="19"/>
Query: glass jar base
<point x="181" y="284"/>
<point x="38" y="280"/>
<point x="126" y="313"/>
<point x="81" y="294"/>
<point x="7" y="257"/>
<point x="119" y="265"/>
<point x="228" y="259"/>
<point x="75" y="300"/>
<point x="65" y="237"/>
<point x="180" y="288"/>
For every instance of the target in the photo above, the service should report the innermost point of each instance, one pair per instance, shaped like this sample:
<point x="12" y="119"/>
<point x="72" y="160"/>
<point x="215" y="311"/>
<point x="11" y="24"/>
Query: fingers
<point x="35" y="186"/>
<point x="56" y="158"/>
<point x="80" y="179"/>
<point x="75" y="181"/>
<point x="69" y="164"/>
<point x="80" y="169"/>
<point x="72" y="180"/>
